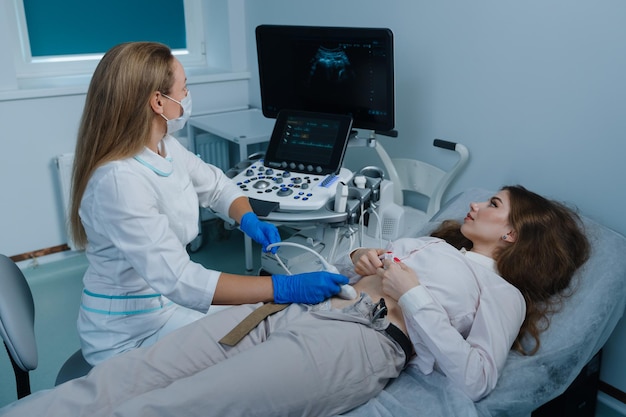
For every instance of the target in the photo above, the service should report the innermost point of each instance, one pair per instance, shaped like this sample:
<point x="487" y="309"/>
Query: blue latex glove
<point x="308" y="288"/>
<point x="261" y="232"/>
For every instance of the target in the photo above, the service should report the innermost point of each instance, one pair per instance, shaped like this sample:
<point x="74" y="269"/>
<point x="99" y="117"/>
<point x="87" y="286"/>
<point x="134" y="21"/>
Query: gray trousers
<point x="302" y="361"/>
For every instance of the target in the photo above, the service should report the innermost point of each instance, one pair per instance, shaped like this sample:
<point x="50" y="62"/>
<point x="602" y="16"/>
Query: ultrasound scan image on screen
<point x="328" y="69"/>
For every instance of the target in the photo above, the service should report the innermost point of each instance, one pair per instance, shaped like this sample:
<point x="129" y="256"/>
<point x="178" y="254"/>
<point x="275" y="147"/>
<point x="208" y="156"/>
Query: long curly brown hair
<point x="550" y="246"/>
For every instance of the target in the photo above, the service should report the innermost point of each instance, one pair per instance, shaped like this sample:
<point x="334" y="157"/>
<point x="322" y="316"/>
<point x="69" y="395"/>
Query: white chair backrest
<point x="428" y="180"/>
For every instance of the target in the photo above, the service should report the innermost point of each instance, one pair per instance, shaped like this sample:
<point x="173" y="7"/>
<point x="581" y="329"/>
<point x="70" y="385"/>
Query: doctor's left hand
<point x="261" y="232"/>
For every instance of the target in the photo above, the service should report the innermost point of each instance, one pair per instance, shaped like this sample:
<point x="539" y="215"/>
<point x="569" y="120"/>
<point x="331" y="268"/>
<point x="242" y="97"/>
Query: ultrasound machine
<point x="302" y="165"/>
<point x="320" y="84"/>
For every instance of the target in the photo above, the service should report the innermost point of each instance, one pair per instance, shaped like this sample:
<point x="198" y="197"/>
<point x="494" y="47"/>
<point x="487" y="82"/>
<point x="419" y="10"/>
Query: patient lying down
<point x="463" y="310"/>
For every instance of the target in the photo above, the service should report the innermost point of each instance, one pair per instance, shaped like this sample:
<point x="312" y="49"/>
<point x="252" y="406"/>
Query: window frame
<point x="29" y="69"/>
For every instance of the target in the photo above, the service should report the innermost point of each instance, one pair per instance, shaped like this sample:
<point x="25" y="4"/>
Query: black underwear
<point x="401" y="339"/>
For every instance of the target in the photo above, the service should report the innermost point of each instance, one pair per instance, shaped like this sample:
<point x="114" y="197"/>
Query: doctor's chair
<point x="17" y="328"/>
<point x="17" y="324"/>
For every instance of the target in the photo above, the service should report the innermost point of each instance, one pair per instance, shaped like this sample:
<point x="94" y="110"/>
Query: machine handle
<point x="440" y="143"/>
<point x="390" y="133"/>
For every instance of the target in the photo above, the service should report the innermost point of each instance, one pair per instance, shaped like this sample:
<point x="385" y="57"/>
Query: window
<point x="68" y="38"/>
<point x="86" y="29"/>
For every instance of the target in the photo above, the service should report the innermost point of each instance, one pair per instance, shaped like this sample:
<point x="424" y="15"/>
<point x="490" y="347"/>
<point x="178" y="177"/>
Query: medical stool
<point x="74" y="367"/>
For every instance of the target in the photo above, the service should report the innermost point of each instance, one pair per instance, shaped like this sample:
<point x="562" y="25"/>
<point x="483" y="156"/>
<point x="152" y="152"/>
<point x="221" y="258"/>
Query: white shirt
<point x="463" y="318"/>
<point x="139" y="214"/>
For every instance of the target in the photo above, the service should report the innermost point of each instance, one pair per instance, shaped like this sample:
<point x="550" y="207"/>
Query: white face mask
<point x="174" y="125"/>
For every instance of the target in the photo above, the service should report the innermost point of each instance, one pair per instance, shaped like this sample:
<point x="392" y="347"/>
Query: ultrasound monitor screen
<point x="328" y="69"/>
<point x="308" y="142"/>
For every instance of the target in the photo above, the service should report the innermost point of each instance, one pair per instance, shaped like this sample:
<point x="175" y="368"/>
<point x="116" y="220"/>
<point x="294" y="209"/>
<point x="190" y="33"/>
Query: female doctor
<point x="135" y="207"/>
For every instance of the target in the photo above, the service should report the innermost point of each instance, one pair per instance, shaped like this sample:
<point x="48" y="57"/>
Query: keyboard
<point x="293" y="191"/>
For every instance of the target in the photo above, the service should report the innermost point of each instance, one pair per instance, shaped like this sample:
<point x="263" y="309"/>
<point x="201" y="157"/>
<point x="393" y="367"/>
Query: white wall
<point x="536" y="90"/>
<point x="34" y="132"/>
<point x="38" y="125"/>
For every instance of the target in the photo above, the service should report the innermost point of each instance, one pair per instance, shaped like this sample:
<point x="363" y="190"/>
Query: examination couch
<point x="576" y="335"/>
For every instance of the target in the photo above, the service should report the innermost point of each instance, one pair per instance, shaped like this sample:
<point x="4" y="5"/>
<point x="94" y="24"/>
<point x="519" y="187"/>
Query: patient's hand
<point x="367" y="261"/>
<point x="397" y="278"/>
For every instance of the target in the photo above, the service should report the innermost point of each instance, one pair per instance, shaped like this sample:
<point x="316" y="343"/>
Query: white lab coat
<point x="139" y="214"/>
<point x="461" y="299"/>
<point x="463" y="318"/>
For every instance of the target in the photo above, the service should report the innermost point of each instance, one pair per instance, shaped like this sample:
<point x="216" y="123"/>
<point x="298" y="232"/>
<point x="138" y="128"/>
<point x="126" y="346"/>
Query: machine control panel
<point x="292" y="190"/>
<point x="302" y="165"/>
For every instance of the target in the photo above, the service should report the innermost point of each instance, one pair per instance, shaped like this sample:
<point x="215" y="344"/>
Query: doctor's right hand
<point x="308" y="288"/>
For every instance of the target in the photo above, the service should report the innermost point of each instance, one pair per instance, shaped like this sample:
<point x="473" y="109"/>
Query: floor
<point x="603" y="410"/>
<point x="57" y="285"/>
<point x="56" y="288"/>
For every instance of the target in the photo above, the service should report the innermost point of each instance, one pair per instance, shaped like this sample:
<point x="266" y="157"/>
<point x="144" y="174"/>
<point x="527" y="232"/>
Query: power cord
<point x="379" y="230"/>
<point x="347" y="291"/>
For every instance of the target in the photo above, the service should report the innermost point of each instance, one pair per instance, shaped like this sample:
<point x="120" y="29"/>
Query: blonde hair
<point x="117" y="118"/>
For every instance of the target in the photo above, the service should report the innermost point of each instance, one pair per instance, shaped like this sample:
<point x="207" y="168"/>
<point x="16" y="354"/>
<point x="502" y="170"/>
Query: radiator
<point x="64" y="164"/>
<point x="214" y="150"/>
